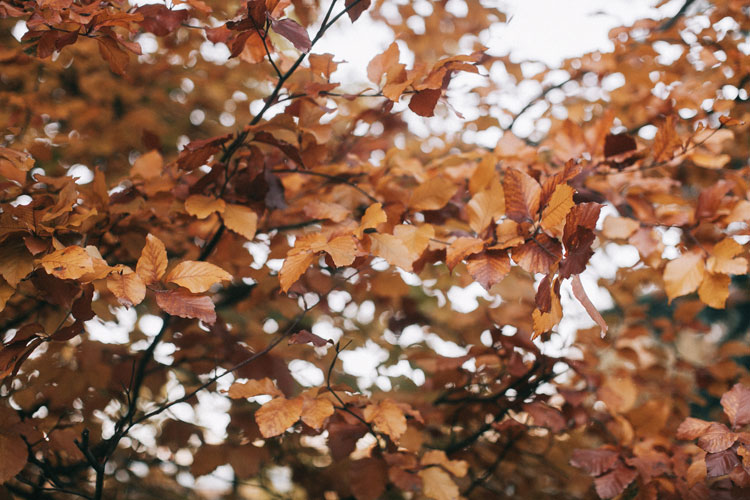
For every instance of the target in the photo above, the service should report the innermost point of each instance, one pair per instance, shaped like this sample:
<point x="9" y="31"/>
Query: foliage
<point x="237" y="219"/>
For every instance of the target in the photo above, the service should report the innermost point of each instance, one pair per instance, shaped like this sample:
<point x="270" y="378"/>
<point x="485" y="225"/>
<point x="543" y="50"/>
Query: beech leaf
<point x="522" y="194"/>
<point x="580" y="293"/>
<point x="68" y="263"/>
<point x="294" y="32"/>
<point x="388" y="418"/>
<point x="277" y="415"/>
<point x="153" y="260"/>
<point x="240" y="219"/>
<point x="202" y="206"/>
<point x="127" y="286"/>
<point x="736" y="404"/>
<point x="197" y="276"/>
<point x="683" y="275"/>
<point x="187" y="305"/>
<point x="252" y="388"/>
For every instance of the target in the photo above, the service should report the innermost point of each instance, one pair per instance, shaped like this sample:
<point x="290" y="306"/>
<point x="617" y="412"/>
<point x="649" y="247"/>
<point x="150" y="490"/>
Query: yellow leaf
<point x="127" y="286"/>
<point x="438" y="485"/>
<point x="252" y="388"/>
<point x="68" y="263"/>
<point x="241" y="219"/>
<point x="714" y="290"/>
<point x="202" y="206"/>
<point x="545" y="321"/>
<point x="415" y="238"/>
<point x="486" y="206"/>
<point x="153" y="260"/>
<point x="197" y="276"/>
<point x="553" y="215"/>
<point x="276" y="416"/>
<point x="374" y="216"/>
<point x="387" y="417"/>
<point x="433" y="194"/>
<point x="683" y="275"/>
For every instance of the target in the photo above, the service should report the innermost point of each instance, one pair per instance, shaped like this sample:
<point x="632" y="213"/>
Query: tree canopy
<point x="229" y="273"/>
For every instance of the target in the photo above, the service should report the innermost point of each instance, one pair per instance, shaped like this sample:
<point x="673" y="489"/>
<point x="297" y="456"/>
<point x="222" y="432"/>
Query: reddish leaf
<point x="307" y="337"/>
<point x="692" y="428"/>
<point x="294" y="32"/>
<point x="489" y="267"/>
<point x="522" y="195"/>
<point x="717" y="438"/>
<point x="736" y="405"/>
<point x="355" y="8"/>
<point x="543" y="297"/>
<point x="187" y="305"/>
<point x="538" y="255"/>
<point x="580" y="293"/>
<point x="423" y="102"/>
<point x="112" y="53"/>
<point x="721" y="463"/>
<point x="594" y="462"/>
<point x="617" y="144"/>
<point x="612" y="484"/>
<point x="160" y="20"/>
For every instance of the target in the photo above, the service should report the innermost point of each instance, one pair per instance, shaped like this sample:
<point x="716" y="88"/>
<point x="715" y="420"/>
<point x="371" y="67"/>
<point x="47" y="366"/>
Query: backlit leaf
<point x="486" y="206"/>
<point x="197" y="276"/>
<point x="723" y="258"/>
<point x="580" y="293"/>
<point x="127" y="286"/>
<point x="315" y="411"/>
<point x="292" y="31"/>
<point x="423" y="102"/>
<point x="202" y="206"/>
<point x="373" y="217"/>
<point x="558" y="208"/>
<point x="388" y="418"/>
<point x="252" y="388"/>
<point x="187" y="305"/>
<point x="240" y="219"/>
<point x="68" y="263"/>
<point x="619" y="227"/>
<point x="295" y="265"/>
<point x="683" y="275"/>
<point x="356" y="8"/>
<point x="433" y="194"/>
<point x="538" y="255"/>
<point x="153" y="260"/>
<point x="277" y="415"/>
<point x="342" y="250"/>
<point x="461" y="248"/>
<point x="522" y="194"/>
<point x="458" y="468"/>
<point x="714" y="290"/>
<point x="489" y="267"/>
<point x="438" y="485"/>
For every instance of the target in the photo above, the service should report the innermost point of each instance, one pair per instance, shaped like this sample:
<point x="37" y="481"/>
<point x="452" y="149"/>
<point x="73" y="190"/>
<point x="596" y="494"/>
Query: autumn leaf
<point x="380" y="64"/>
<point x="187" y="305"/>
<point x="486" y="206"/>
<point x="613" y="483"/>
<point x="619" y="227"/>
<point x="324" y="210"/>
<point x="580" y="293"/>
<point x="522" y="193"/>
<point x="373" y="217"/>
<point x="736" y="404"/>
<point x="393" y="250"/>
<point x="153" y="260"/>
<point x="538" y="255"/>
<point x="277" y="415"/>
<point x="433" y="194"/>
<point x="240" y="219"/>
<point x="723" y="258"/>
<point x="292" y="31"/>
<point x="438" y="485"/>
<point x="387" y="417"/>
<point x="716" y="438"/>
<point x="127" y="286"/>
<point x="14" y="454"/>
<point x="489" y="267"/>
<point x="458" y="468"/>
<point x="461" y="248"/>
<point x="307" y="337"/>
<point x="594" y="462"/>
<point x="112" y="53"/>
<point x="424" y="101"/>
<point x="714" y="290"/>
<point x="355" y="8"/>
<point x="692" y="428"/>
<point x="15" y="262"/>
<point x="252" y="388"/>
<point x="556" y="211"/>
<point x="68" y="263"/>
<point x="342" y="250"/>
<point x="202" y="206"/>
<point x="683" y="275"/>
<point x="315" y="411"/>
<point x="197" y="276"/>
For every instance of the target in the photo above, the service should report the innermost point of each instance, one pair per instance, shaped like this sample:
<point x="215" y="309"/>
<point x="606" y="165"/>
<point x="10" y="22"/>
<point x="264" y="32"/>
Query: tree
<point x="181" y="231"/>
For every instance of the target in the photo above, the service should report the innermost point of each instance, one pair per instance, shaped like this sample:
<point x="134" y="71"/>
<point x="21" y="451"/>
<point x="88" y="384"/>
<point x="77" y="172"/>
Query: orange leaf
<point x="489" y="267"/>
<point x="580" y="293"/>
<point x="15" y="262"/>
<point x="683" y="275"/>
<point x="325" y="210"/>
<point x="380" y="64"/>
<point x="197" y="276"/>
<point x="708" y="160"/>
<point x="316" y="411"/>
<point x="252" y="388"/>
<point x="460" y="248"/>
<point x="522" y="194"/>
<point x="276" y="416"/>
<point x="6" y="292"/>
<point x="112" y="53"/>
<point x="153" y="260"/>
<point x="295" y="265"/>
<point x="717" y="438"/>
<point x="714" y="290"/>
<point x="616" y="228"/>
<point x="486" y="206"/>
<point x="373" y="217"/>
<point x="387" y="417"/>
<point x="692" y="428"/>
<point x="538" y="255"/>
<point x="545" y="321"/>
<point x="736" y="404"/>
<point x="553" y="215"/>
<point x="187" y="305"/>
<point x="202" y="206"/>
<point x="127" y="286"/>
<point x="148" y="166"/>
<point x="342" y="250"/>
<point x="240" y="219"/>
<point x="458" y="468"/>
<point x="68" y="263"/>
<point x="14" y="455"/>
<point x="433" y="194"/>
<point x="404" y="246"/>
<point x="724" y="258"/>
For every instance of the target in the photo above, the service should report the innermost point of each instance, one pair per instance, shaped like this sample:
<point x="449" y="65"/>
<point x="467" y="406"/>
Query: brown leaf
<point x="68" y="263"/>
<point x="315" y="411"/>
<point x="112" y="53"/>
<point x="277" y="415"/>
<point x="714" y="290"/>
<point x="14" y="455"/>
<point x="373" y="217"/>
<point x="736" y="404"/>
<point x="153" y="260"/>
<point x="616" y="228"/>
<point x="342" y="250"/>
<point x="458" y="468"/>
<point x="324" y="210"/>
<point x="15" y="262"/>
<point x="127" y="286"/>
<point x="388" y="418"/>
<point x="356" y="8"/>
<point x="307" y="337"/>
<point x="557" y="210"/>
<point x="717" y="438"/>
<point x="240" y="219"/>
<point x="252" y="388"/>
<point x="197" y="276"/>
<point x="424" y="101"/>
<point x="594" y="462"/>
<point x="580" y="293"/>
<point x="721" y="463"/>
<point x="522" y="193"/>
<point x="486" y="206"/>
<point x="460" y="248"/>
<point x="538" y="255"/>
<point x="433" y="194"/>
<point x="613" y="483"/>
<point x="692" y="428"/>
<point x="294" y="32"/>
<point x="617" y="144"/>
<point x="683" y="275"/>
<point x="368" y="478"/>
<point x="202" y="206"/>
<point x="380" y="64"/>
<point x="438" y="485"/>
<point x="160" y="20"/>
<point x="187" y="305"/>
<point x="489" y="267"/>
<point x="295" y="265"/>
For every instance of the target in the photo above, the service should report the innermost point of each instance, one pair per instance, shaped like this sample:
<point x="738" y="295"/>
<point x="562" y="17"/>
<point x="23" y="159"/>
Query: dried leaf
<point x="197" y="276"/>
<point x="616" y="228"/>
<point x="14" y="455"/>
<point x="295" y="265"/>
<point x="486" y="206"/>
<point x="15" y="262"/>
<point x="461" y="248"/>
<point x="316" y="411"/>
<point x="692" y="428"/>
<point x="723" y="258"/>
<point x="388" y="418"/>
<point x="714" y="290"/>
<point x="721" y="463"/>
<point x="522" y="193"/>
<point x="355" y="8"/>
<point x="277" y="415"/>
<point x="538" y="255"/>
<point x="342" y="250"/>
<point x="438" y="485"/>
<point x="433" y="194"/>
<point x="489" y="267"/>
<point x="424" y="101"/>
<point x="252" y="388"/>
<point x="127" y="286"/>
<point x="613" y="483"/>
<point x="68" y="263"/>
<point x="557" y="210"/>
<point x="736" y="404"/>
<point x="717" y="438"/>
<point x="294" y="32"/>
<point x="187" y="305"/>
<point x="202" y="206"/>
<point x="683" y="275"/>
<point x="112" y="53"/>
<point x="153" y="260"/>
<point x="617" y="144"/>
<point x="458" y="468"/>
<point x="373" y="217"/>
<point x="594" y="462"/>
<point x="580" y="293"/>
<point x="240" y="219"/>
<point x="307" y="337"/>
